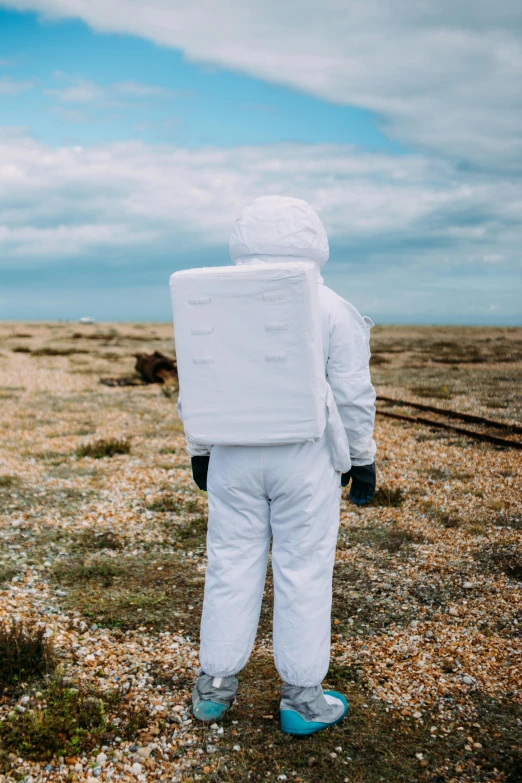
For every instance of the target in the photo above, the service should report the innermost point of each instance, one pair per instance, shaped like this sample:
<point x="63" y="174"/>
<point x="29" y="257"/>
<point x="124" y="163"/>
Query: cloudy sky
<point x="132" y="132"/>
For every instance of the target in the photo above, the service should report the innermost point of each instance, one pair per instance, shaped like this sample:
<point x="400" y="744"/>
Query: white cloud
<point x="137" y="199"/>
<point x="11" y="87"/>
<point x="138" y="90"/>
<point x="442" y="76"/>
<point x="76" y="89"/>
<point x="79" y="91"/>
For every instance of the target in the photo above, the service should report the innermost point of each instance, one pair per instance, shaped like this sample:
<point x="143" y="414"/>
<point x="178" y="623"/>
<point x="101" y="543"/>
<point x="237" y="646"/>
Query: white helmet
<point x="281" y="227"/>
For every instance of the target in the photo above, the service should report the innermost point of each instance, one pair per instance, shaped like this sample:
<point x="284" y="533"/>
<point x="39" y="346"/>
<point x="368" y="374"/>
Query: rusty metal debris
<point x="152" y="368"/>
<point x="156" y="368"/>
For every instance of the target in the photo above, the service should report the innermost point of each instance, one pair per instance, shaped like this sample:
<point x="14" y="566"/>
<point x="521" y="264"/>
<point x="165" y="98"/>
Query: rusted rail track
<point x="424" y="420"/>
<point x="502" y="425"/>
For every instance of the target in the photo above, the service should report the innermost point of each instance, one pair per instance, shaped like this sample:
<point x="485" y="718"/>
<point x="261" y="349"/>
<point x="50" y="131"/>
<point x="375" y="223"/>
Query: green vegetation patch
<point x="96" y="541"/>
<point x="25" y="655"/>
<point x="130" y="592"/>
<point x="65" y="721"/>
<point x="7" y="481"/>
<point x="175" y="503"/>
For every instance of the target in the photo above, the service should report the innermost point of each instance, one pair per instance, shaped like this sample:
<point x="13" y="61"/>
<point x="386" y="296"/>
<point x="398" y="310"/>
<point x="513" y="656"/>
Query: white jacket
<point x="274" y="229"/>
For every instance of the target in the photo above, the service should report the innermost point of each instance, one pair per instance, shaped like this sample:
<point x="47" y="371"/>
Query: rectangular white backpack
<point x="250" y="356"/>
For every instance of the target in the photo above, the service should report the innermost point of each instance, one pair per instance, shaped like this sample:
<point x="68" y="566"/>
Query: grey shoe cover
<point x="310" y="703"/>
<point x="219" y="689"/>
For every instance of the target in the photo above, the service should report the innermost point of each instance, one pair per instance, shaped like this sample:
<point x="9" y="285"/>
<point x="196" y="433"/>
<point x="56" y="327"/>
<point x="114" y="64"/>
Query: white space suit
<point x="289" y="493"/>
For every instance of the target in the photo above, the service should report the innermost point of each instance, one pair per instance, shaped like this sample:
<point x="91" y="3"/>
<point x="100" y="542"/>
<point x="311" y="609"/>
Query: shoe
<point x="213" y="696"/>
<point x="209" y="710"/>
<point x="293" y="723"/>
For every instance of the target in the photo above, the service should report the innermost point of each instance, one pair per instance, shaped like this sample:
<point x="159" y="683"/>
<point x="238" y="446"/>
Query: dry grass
<point x="104" y="447"/>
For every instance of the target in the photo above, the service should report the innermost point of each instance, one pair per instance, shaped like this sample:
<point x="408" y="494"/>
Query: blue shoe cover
<point x="293" y="723"/>
<point x="209" y="710"/>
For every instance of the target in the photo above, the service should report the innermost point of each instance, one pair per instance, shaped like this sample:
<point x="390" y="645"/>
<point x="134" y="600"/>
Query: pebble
<point x="144" y="753"/>
<point x="237" y="747"/>
<point x="453" y="612"/>
<point x="468" y="585"/>
<point x="136" y="769"/>
<point x="429" y="635"/>
<point x="101" y="759"/>
<point x="467" y="680"/>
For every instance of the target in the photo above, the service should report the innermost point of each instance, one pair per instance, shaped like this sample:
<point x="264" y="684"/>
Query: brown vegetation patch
<point x="504" y="558"/>
<point x="53" y="351"/>
<point x="388" y="496"/>
<point x="448" y="519"/>
<point x="387" y="536"/>
<point x="104" y="447"/>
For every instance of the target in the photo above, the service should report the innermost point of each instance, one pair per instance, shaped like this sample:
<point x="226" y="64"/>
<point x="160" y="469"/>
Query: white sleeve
<point x="348" y="373"/>
<point x="194" y="449"/>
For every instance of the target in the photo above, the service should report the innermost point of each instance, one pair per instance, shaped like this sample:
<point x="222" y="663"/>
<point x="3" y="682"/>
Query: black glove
<point x="200" y="471"/>
<point x="363" y="483"/>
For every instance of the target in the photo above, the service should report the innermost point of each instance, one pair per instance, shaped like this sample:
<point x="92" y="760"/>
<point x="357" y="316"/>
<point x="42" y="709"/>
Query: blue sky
<point x="128" y="144"/>
<point x="188" y="104"/>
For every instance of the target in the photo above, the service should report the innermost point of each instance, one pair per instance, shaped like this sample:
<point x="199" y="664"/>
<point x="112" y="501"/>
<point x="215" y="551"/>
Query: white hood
<point x="271" y="228"/>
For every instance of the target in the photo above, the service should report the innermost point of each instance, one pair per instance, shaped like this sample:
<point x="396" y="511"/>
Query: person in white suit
<point x="286" y="494"/>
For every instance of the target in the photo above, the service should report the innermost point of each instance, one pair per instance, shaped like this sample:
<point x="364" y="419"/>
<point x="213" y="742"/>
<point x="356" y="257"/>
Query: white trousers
<point x="290" y="494"/>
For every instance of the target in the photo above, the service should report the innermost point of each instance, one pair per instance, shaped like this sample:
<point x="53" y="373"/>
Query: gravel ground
<point x="108" y="556"/>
